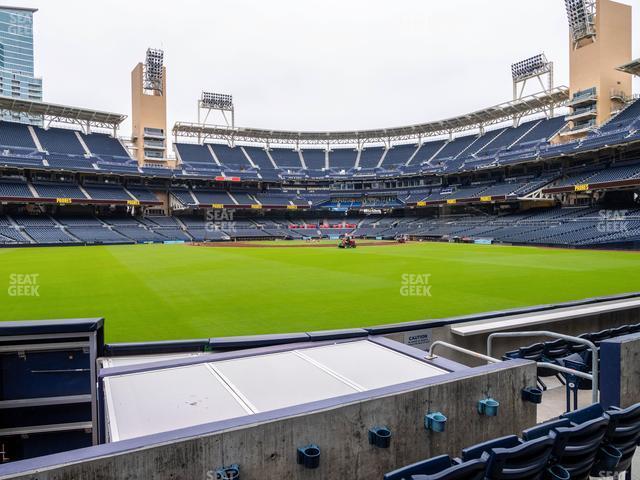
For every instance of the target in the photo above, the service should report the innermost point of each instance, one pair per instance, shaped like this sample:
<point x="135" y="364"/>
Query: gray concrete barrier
<point x="264" y="445"/>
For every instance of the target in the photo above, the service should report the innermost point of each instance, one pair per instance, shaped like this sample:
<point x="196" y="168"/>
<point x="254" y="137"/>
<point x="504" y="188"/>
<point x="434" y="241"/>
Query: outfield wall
<point x="264" y="445"/>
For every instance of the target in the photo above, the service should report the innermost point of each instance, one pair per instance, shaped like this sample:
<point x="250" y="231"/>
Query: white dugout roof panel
<point x="169" y="398"/>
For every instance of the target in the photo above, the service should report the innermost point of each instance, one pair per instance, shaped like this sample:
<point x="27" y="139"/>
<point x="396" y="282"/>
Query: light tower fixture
<point x="530" y="68"/>
<point x="536" y="67"/>
<point x="216" y="102"/>
<point x="154" y="71"/>
<point x="581" y="15"/>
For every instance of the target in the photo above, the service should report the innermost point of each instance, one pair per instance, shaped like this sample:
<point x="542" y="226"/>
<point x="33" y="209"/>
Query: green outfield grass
<point x="159" y="292"/>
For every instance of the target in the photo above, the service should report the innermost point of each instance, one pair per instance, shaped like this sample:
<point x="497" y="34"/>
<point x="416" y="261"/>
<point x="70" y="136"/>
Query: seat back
<point x="579" y="446"/>
<point x="511" y="355"/>
<point x="527" y="461"/>
<point x="471" y="470"/>
<point x="556" y="349"/>
<point x="619" y="331"/>
<point x="424" y="467"/>
<point x="532" y="352"/>
<point x="624" y="433"/>
<point x="476" y="451"/>
<point x="597" y="338"/>
<point x="584" y="414"/>
<point x="543" y="429"/>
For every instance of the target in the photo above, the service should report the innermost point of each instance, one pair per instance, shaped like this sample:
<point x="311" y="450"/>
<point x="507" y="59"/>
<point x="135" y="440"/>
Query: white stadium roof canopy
<point x="523" y="107"/>
<point x="62" y="113"/>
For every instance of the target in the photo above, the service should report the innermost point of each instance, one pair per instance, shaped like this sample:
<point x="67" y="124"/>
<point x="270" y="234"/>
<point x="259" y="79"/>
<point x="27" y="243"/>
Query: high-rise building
<point x="17" y="77"/>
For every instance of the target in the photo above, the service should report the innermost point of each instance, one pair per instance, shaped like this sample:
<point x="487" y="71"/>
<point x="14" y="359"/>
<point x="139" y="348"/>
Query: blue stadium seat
<point x="526" y="461"/>
<point x="624" y="433"/>
<point x="476" y="451"/>
<point x="584" y="414"/>
<point x="58" y="140"/>
<point x="577" y="446"/>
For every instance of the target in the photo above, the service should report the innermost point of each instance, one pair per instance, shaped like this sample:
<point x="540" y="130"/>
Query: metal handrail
<point x="570" y="371"/>
<point x="569" y="338"/>
<point x="461" y="350"/>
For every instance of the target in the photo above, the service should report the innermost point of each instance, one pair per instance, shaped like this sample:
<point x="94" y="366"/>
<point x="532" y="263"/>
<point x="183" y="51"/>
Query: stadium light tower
<point x="537" y="67"/>
<point x="149" y="109"/>
<point x="581" y="15"/>
<point x="153" y="71"/>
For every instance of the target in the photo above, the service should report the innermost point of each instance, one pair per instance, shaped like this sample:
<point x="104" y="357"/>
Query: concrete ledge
<point x="546" y="317"/>
<point x="178" y="346"/>
<point x="265" y="444"/>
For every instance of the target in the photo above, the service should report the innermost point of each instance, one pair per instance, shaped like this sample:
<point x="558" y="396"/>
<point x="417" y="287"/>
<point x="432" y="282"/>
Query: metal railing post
<point x="461" y="350"/>
<point x="569" y="338"/>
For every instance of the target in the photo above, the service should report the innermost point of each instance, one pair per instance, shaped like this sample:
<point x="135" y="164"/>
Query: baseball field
<point x="161" y="292"/>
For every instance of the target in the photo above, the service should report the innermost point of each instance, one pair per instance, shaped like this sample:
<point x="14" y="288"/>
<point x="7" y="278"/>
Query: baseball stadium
<point x="457" y="299"/>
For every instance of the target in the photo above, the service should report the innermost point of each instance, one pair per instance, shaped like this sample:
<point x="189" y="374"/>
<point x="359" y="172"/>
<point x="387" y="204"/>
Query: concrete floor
<point x="554" y="404"/>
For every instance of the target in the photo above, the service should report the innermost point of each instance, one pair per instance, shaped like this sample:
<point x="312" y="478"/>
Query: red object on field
<point x="220" y="178"/>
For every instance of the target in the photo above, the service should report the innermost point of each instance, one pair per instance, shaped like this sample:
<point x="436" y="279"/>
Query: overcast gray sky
<point x="301" y="64"/>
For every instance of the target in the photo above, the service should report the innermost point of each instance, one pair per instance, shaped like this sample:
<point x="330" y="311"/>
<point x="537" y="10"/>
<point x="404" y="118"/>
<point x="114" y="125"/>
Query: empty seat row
<point x="580" y="444"/>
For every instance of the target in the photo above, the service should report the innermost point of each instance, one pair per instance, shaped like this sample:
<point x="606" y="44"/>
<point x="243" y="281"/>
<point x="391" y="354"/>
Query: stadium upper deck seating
<point x="427" y="151"/>
<point x="343" y="158"/>
<point x="259" y="157"/>
<point x="286" y="158"/>
<point x="456" y="147"/>
<point x="58" y="140"/>
<point x="231" y="157"/>
<point x="314" y="158"/>
<point x="370" y="157"/>
<point x="627" y="119"/>
<point x="194" y="154"/>
<point x="503" y="146"/>
<point x="16" y="138"/>
<point x="399" y="155"/>
<point x="103" y="145"/>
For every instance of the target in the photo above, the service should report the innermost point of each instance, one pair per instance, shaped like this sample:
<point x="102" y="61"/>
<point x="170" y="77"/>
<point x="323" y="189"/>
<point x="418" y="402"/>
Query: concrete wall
<point x="620" y="364"/>
<point x="267" y="449"/>
<point x="478" y="343"/>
